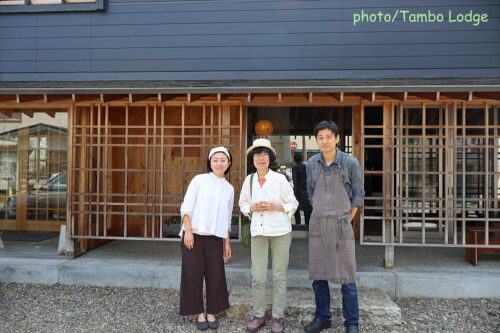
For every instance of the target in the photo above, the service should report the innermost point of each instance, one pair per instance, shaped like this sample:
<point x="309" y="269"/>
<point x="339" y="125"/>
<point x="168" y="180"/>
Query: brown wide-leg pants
<point x="203" y="261"/>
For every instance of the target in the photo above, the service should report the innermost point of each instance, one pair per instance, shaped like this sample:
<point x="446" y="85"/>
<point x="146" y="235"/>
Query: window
<point x="16" y="6"/>
<point x="10" y="116"/>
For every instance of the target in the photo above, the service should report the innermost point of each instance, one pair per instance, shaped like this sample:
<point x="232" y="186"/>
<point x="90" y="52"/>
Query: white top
<point x="209" y="203"/>
<point x="276" y="189"/>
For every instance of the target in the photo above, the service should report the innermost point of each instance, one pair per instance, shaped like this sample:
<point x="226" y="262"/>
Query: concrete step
<point x="375" y="307"/>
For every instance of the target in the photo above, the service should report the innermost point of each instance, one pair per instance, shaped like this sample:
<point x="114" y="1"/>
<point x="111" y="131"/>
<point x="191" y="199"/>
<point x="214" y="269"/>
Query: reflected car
<point x="51" y="196"/>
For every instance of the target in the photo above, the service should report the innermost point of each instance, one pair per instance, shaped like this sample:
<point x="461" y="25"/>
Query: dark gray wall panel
<point x="253" y="64"/>
<point x="243" y="75"/>
<point x="15" y="32"/>
<point x="65" y="43"/>
<point x="17" y="55"/>
<point x="282" y="27"/>
<point x="340" y="17"/>
<point x="269" y="52"/>
<point x="66" y="31"/>
<point x="252" y="39"/>
<point x="395" y="39"/>
<point x="59" y="66"/>
<point x="18" y="44"/>
<point x="17" y="66"/>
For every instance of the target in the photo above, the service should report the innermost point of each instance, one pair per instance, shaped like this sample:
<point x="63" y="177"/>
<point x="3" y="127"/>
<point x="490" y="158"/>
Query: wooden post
<point x="356" y="152"/>
<point x="450" y="121"/>
<point x="70" y="242"/>
<point x="387" y="189"/>
<point x="83" y="228"/>
<point x="22" y="179"/>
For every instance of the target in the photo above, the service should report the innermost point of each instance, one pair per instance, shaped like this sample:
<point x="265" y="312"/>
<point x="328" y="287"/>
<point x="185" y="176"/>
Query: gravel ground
<point x="54" y="309"/>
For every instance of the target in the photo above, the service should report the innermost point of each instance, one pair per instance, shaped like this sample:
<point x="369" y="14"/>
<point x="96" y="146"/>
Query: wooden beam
<point x="51" y="113"/>
<point x="279" y="98"/>
<point x="195" y="97"/>
<point x="494" y="95"/>
<point x="366" y="96"/>
<point x="28" y="112"/>
<point x="459" y="95"/>
<point x="7" y="112"/>
<point x="400" y="96"/>
<point x="8" y="98"/>
<point x="49" y="98"/>
<point x="431" y="96"/>
<point x="105" y="98"/>
<point x="339" y="97"/>
<point x="28" y="98"/>
<point x="85" y="97"/>
<point x="132" y="98"/>
<point x="223" y="97"/>
<point x="169" y="97"/>
<point x="250" y="97"/>
<point x="310" y="97"/>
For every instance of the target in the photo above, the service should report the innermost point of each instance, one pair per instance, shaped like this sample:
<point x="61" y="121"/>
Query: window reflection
<point x="33" y="175"/>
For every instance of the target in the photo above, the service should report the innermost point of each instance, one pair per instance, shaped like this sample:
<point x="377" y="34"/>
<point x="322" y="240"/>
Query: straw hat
<point x="261" y="143"/>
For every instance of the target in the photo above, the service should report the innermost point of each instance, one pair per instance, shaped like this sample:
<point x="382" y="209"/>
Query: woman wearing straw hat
<point x="206" y="215"/>
<point x="268" y="199"/>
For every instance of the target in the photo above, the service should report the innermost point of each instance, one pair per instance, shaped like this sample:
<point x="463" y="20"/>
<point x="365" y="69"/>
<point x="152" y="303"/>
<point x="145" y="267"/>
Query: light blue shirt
<point x="351" y="175"/>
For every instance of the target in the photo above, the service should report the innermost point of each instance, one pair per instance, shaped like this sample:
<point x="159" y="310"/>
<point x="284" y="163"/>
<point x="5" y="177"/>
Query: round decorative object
<point x="264" y="128"/>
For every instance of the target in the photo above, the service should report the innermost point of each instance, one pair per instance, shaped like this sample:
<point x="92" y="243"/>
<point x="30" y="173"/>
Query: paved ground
<point x="54" y="309"/>
<point x="369" y="258"/>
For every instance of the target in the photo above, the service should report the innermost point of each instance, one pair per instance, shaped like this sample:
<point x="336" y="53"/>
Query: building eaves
<point x="252" y="86"/>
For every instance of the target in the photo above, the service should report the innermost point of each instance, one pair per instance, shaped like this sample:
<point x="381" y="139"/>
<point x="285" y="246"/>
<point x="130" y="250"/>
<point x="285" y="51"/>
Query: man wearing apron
<point x="335" y="189"/>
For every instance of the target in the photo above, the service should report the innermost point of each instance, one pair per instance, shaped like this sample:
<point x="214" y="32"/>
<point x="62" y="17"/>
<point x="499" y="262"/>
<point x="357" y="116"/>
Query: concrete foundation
<point x="426" y="272"/>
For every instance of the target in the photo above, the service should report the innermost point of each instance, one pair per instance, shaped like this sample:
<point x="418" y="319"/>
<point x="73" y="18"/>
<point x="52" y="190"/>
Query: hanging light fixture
<point x="264" y="128"/>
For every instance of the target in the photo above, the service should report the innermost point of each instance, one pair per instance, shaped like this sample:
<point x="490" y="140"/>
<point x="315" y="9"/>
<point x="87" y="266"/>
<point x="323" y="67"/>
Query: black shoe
<point x="351" y="329"/>
<point x="317" y="325"/>
<point x="213" y="324"/>
<point x="201" y="325"/>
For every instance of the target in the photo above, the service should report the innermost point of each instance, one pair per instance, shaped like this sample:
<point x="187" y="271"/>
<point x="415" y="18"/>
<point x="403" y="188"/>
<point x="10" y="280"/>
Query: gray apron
<point x="331" y="237"/>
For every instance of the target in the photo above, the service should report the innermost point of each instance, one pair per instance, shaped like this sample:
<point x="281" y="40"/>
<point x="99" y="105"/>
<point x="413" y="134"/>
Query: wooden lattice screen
<point x="436" y="176"/>
<point x="131" y="164"/>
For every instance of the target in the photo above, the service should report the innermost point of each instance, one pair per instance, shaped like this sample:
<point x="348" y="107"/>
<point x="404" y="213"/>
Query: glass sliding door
<point x="33" y="165"/>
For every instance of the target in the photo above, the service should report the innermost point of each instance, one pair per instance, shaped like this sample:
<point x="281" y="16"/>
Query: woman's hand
<point x="189" y="240"/>
<point x="227" y="250"/>
<point x="261" y="206"/>
<point x="265" y="206"/>
<point x="277" y="207"/>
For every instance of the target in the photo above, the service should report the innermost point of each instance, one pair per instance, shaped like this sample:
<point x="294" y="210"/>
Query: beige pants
<point x="280" y="248"/>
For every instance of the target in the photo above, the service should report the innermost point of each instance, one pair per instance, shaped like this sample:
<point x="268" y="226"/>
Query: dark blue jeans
<point x="350" y="307"/>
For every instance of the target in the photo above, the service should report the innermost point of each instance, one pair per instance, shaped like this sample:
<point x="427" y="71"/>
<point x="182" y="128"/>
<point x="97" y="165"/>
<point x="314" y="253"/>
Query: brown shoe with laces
<point x="255" y="324"/>
<point x="277" y="325"/>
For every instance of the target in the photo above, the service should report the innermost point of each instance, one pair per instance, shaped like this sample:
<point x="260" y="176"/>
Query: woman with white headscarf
<point x="206" y="223"/>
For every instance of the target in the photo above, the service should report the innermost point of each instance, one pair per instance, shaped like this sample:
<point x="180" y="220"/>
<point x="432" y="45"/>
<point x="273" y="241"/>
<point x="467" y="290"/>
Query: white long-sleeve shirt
<point x="276" y="189"/>
<point x="209" y="203"/>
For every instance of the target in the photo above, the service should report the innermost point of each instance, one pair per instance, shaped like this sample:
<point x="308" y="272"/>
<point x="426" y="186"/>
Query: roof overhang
<point x="50" y="95"/>
<point x="253" y="86"/>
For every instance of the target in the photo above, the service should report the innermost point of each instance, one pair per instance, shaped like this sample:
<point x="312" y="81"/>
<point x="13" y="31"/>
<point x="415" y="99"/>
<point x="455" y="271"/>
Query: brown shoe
<point x="255" y="324"/>
<point x="277" y="325"/>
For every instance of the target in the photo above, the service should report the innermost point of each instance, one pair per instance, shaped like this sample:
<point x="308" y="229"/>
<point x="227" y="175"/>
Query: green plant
<point x="235" y="220"/>
<point x="245" y="231"/>
<point x="174" y="220"/>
